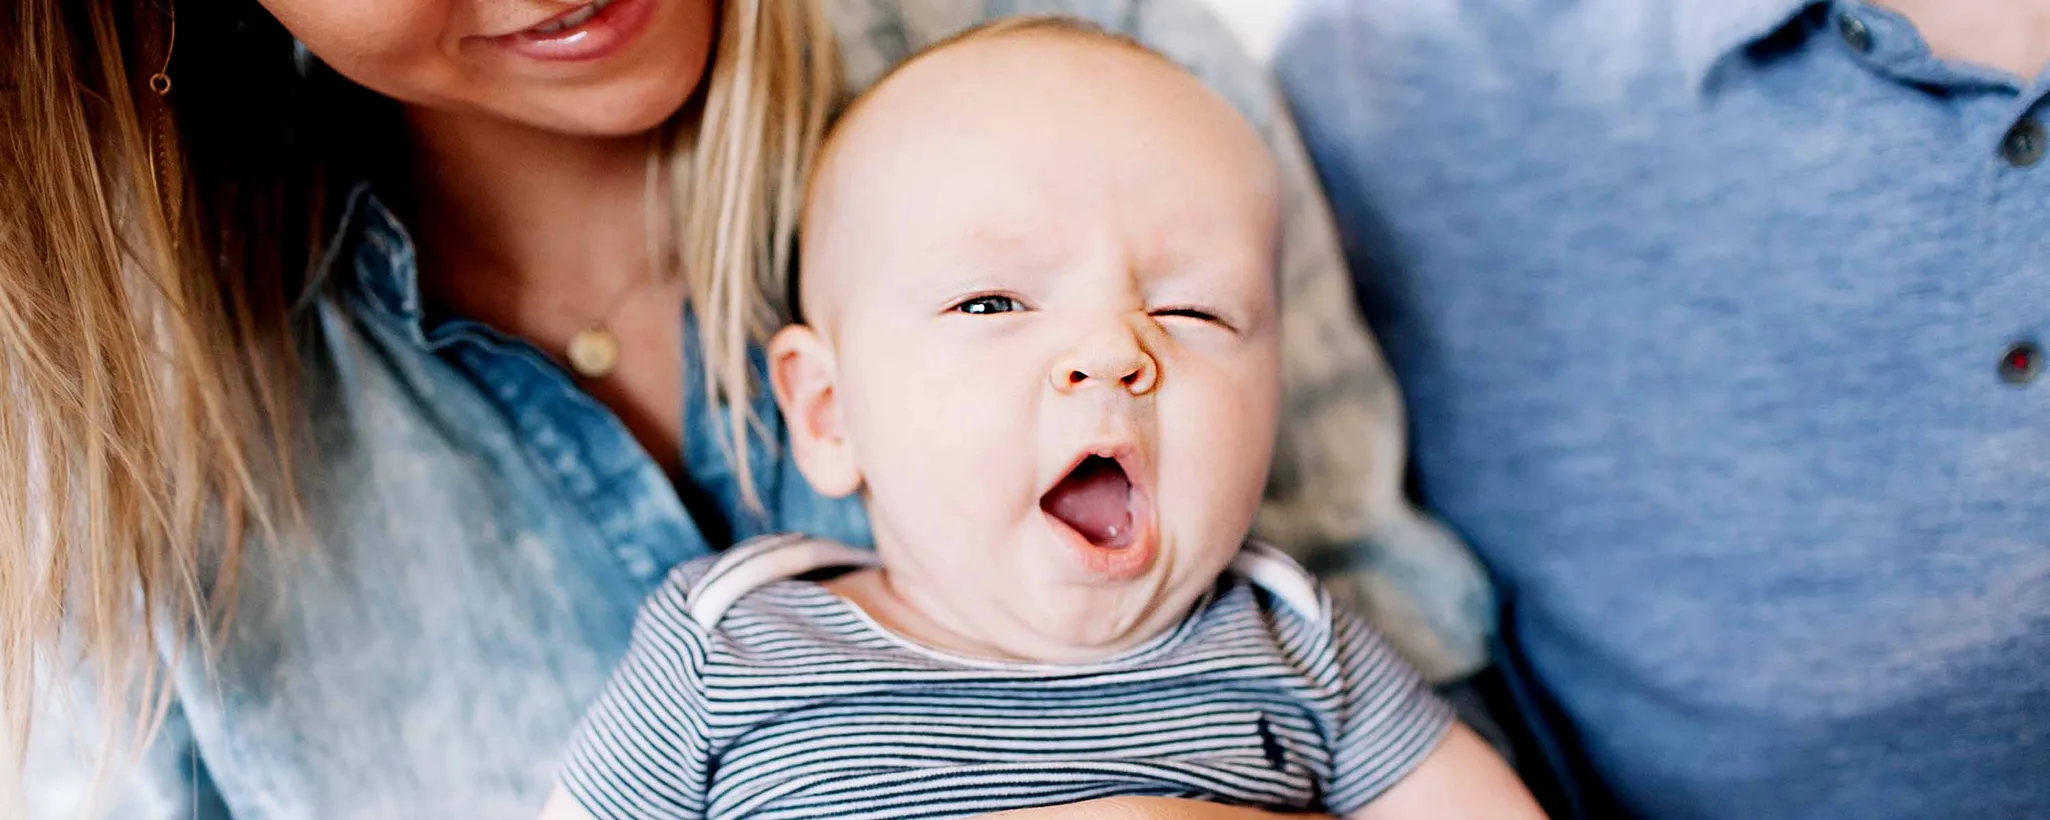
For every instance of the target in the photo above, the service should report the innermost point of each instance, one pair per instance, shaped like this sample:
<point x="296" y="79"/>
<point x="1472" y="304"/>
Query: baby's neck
<point x="899" y="611"/>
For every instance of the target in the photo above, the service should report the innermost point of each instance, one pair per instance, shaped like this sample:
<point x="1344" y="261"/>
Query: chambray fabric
<point x="1699" y="310"/>
<point x="486" y="531"/>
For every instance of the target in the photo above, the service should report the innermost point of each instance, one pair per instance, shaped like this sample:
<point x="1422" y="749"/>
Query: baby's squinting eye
<point x="1191" y="313"/>
<point x="985" y="305"/>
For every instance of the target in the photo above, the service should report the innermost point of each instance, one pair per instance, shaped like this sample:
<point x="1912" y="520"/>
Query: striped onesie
<point x="748" y="693"/>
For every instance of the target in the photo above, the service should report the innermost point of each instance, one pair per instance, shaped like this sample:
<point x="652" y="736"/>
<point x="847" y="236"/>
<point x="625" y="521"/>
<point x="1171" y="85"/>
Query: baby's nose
<point x="1109" y="359"/>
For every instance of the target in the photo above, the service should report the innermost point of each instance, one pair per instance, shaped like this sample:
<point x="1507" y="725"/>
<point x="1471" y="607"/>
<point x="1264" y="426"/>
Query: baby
<point x="1041" y="341"/>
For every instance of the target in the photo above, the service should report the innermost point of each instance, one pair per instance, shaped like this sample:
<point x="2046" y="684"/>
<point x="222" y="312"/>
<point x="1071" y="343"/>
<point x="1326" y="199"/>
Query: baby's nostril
<point x="1077" y="377"/>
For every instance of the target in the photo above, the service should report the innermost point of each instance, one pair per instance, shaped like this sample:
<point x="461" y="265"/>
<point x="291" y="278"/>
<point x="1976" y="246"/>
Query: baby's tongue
<point x="1095" y="500"/>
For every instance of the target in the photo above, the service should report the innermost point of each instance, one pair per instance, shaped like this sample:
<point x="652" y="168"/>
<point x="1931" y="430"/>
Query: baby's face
<point x="1042" y="275"/>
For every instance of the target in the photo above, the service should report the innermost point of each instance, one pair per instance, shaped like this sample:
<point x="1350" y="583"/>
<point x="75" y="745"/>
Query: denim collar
<point x="372" y="260"/>
<point x="372" y="257"/>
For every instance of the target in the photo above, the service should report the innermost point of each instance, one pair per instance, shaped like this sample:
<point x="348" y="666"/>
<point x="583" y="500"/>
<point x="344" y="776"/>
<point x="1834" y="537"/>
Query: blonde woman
<point x="366" y="361"/>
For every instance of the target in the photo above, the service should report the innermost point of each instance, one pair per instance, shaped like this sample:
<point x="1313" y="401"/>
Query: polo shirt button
<point x="2023" y="145"/>
<point x="1855" y="33"/>
<point x="2021" y="363"/>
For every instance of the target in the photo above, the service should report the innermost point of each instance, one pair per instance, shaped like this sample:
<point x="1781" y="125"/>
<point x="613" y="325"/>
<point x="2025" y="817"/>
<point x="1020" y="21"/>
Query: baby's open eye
<point x="984" y="305"/>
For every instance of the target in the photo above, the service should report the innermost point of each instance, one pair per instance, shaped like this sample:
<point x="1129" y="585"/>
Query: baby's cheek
<point x="1218" y="442"/>
<point x="946" y="435"/>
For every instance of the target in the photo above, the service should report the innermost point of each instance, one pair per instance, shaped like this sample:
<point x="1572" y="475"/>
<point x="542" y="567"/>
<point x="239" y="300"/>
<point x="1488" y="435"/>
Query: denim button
<point x="2021" y="363"/>
<point x="2023" y="145"/>
<point x="1855" y="33"/>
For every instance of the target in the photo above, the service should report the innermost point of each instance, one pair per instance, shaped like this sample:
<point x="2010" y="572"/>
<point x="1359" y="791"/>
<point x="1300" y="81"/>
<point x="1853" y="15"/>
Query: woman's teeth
<point x="573" y="19"/>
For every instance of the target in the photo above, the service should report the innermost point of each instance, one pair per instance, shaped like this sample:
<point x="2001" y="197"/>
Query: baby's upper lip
<point x="1129" y="457"/>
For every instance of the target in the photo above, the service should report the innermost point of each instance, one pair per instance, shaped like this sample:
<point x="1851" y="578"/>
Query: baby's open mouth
<point x="1096" y="501"/>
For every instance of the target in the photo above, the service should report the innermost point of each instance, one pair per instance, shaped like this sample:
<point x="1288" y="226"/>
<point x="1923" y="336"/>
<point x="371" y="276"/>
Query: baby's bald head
<point x="1016" y="104"/>
<point x="1028" y="247"/>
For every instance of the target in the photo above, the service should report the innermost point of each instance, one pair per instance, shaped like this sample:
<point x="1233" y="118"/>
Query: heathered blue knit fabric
<point x="1700" y="312"/>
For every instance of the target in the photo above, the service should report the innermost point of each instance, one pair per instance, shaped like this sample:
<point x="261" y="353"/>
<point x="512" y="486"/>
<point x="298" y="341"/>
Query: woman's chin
<point x="618" y="112"/>
<point x="626" y="93"/>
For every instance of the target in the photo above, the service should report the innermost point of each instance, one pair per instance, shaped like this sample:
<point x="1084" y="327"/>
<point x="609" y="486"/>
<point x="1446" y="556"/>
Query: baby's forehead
<point x="991" y="72"/>
<point x="978" y="58"/>
<point x="1002" y="133"/>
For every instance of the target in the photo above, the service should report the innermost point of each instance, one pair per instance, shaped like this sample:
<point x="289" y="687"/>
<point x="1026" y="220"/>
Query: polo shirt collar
<point x="1708" y="31"/>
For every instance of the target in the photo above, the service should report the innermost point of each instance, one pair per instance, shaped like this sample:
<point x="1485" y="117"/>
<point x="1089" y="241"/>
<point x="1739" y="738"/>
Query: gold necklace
<point x="594" y="351"/>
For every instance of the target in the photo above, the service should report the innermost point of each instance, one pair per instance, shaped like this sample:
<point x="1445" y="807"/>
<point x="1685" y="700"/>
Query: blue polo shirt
<point x="1718" y="322"/>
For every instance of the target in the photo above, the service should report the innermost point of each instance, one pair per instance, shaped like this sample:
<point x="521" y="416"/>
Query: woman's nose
<point x="1108" y="359"/>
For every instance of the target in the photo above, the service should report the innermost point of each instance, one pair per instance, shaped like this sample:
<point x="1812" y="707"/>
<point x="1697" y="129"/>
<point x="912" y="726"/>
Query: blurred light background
<point x="1257" y="22"/>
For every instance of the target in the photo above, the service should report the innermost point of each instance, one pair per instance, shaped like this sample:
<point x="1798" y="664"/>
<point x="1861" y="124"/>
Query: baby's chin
<point x="1071" y="625"/>
<point x="1057" y="611"/>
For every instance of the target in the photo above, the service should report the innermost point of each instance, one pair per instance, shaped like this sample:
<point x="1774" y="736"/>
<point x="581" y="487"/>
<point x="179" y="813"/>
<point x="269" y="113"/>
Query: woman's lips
<point x="593" y="31"/>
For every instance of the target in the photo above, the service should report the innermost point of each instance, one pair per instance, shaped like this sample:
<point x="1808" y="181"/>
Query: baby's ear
<point x="803" y="372"/>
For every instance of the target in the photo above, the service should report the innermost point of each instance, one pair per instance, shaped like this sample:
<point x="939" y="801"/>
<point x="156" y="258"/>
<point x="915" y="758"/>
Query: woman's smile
<point x="590" y="32"/>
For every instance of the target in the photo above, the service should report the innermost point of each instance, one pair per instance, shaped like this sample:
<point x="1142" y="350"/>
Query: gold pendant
<point x="593" y="352"/>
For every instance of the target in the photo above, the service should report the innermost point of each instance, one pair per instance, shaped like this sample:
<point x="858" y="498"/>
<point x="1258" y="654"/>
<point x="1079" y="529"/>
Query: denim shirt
<point x="482" y="531"/>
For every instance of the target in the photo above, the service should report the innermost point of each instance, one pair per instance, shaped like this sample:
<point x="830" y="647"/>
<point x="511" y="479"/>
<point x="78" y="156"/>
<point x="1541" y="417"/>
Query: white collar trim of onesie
<point x="768" y="559"/>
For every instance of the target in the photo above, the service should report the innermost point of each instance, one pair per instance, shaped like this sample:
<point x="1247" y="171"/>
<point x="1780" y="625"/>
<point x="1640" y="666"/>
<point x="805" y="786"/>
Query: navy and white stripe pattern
<point x="745" y="694"/>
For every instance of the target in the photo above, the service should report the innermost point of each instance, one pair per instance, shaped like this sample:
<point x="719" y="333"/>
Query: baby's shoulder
<point x="1264" y="580"/>
<point x="701" y="594"/>
<point x="1264" y="607"/>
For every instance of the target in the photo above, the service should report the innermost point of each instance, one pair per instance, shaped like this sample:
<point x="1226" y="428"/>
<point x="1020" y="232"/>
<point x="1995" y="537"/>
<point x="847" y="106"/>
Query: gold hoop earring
<point x="160" y="82"/>
<point x="165" y="177"/>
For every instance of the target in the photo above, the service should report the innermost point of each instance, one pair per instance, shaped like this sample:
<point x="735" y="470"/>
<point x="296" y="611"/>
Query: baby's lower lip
<point x="1131" y="559"/>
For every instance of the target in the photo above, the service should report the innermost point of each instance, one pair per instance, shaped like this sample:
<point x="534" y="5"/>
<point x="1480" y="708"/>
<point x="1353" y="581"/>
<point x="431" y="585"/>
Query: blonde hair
<point x="151" y="250"/>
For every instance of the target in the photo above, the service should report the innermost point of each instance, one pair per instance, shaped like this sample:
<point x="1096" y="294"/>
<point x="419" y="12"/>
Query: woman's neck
<point x="510" y="218"/>
<point x="544" y="236"/>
